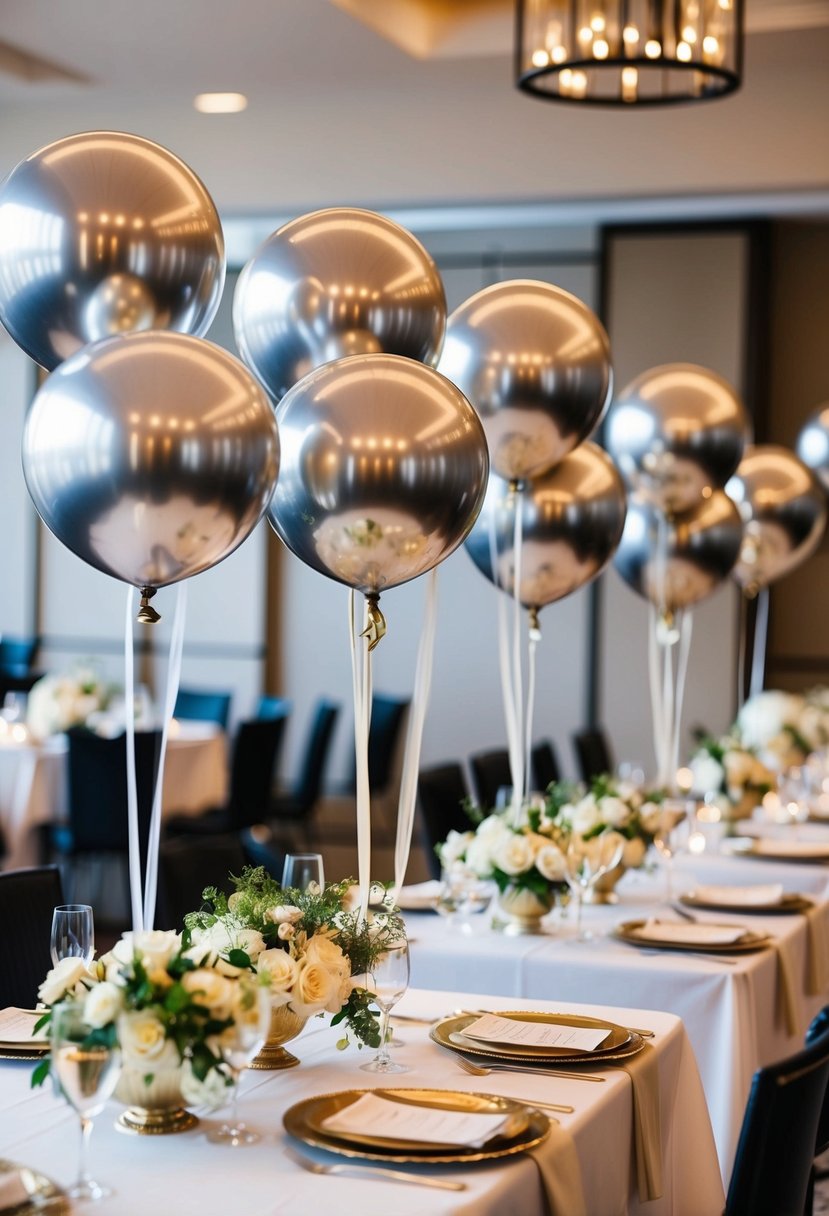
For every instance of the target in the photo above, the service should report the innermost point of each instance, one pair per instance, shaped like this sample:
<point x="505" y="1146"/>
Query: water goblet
<point x="666" y="838"/>
<point x="388" y="980"/>
<point x="85" y="1067"/>
<point x="586" y="861"/>
<point x="303" y="872"/>
<point x="73" y="933"/>
<point x="239" y="1044"/>
<point x="794" y="790"/>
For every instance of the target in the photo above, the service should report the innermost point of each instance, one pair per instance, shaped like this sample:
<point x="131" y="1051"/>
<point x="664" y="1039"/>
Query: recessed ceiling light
<point x="220" y="103"/>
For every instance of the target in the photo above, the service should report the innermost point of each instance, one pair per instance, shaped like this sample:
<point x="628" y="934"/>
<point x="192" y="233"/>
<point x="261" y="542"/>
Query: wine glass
<point x="73" y="933"/>
<point x="672" y="813"/>
<point x="586" y="861"/>
<point x="86" y="1072"/>
<point x="794" y="791"/>
<point x="388" y="980"/>
<point x="462" y="896"/>
<point x="303" y="872"/>
<point x="239" y="1044"/>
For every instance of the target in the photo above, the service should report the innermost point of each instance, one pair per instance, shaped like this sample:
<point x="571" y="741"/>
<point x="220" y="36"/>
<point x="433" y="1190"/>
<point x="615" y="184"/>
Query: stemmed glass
<point x="86" y="1069"/>
<point x="239" y="1044"/>
<point x="302" y="870"/>
<point x="389" y="979"/>
<point x="462" y="896"/>
<point x="794" y="789"/>
<point x="73" y="933"/>
<point x="586" y="862"/>
<point x="672" y="813"/>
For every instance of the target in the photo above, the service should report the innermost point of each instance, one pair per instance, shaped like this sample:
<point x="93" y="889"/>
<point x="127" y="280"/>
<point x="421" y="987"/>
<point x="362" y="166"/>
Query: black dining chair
<point x="818" y="1027"/>
<point x="187" y="866"/>
<point x="27" y="900"/>
<point x="593" y="753"/>
<point x="781" y="1126"/>
<point x="441" y="791"/>
<point x="388" y="717"/>
<point x="203" y="705"/>
<point x="295" y="808"/>
<point x="490" y="773"/>
<point x="544" y="765"/>
<point x="273" y="707"/>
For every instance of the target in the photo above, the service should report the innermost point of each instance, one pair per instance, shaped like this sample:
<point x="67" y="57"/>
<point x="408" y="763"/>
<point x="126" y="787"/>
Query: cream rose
<point x="708" y="774"/>
<point x="144" y="1044"/>
<point x="211" y="989"/>
<point x="479" y="857"/>
<point x="156" y="947"/>
<point x="550" y="863"/>
<point x="322" y="949"/>
<point x="282" y="970"/>
<point x="103" y="1004"/>
<point x="649" y="816"/>
<point x="210" y="1093"/>
<point x="613" y="812"/>
<point x="513" y="854"/>
<point x="66" y="976"/>
<point x="282" y="914"/>
<point x="315" y="986"/>
<point x="586" y="816"/>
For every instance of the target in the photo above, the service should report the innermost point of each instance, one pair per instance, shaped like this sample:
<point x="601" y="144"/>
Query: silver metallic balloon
<point x="677" y="433"/>
<point x="700" y="549"/>
<point x="572" y="520"/>
<point x="335" y="283"/>
<point x="151" y="456"/>
<point x="105" y="233"/>
<point x="384" y="469"/>
<point x="535" y="363"/>
<point x="783" y="508"/>
<point x="813" y="444"/>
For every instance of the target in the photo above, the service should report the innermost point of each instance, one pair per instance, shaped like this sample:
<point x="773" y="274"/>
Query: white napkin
<point x="689" y="934"/>
<point x="741" y="897"/>
<point x="420" y="896"/>
<point x="374" y="1115"/>
<point x="13" y="1191"/>
<point x="791" y="848"/>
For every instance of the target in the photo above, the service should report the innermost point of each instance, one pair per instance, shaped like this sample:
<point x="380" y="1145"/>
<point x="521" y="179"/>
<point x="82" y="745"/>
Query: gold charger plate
<point x="798" y="859"/>
<point x="44" y="1195"/>
<point x="788" y="904"/>
<point x="749" y="942"/>
<point x="304" y="1121"/>
<point x="622" y="1043"/>
<point x="22" y="1053"/>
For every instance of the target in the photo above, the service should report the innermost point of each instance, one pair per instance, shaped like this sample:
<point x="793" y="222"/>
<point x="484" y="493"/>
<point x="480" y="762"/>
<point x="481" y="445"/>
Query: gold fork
<point x="477" y="1070"/>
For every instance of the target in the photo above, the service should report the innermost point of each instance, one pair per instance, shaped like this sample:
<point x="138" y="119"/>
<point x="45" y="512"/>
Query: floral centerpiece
<point x="311" y="944"/>
<point x="783" y="728"/>
<point x="58" y="702"/>
<point x="607" y="803"/>
<point x="730" y="775"/>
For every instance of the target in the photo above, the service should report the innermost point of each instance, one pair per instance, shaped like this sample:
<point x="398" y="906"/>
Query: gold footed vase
<point x="603" y="890"/>
<point x="285" y="1025"/>
<point x="154" y="1108"/>
<point x="520" y="911"/>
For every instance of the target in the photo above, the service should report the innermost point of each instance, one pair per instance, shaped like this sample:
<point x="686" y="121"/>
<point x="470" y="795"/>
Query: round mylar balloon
<point x="535" y="363"/>
<point x="384" y="469"/>
<point x="105" y="233"/>
<point x="700" y="550"/>
<point x="572" y="520"/>
<point x="813" y="445"/>
<point x="151" y="456"/>
<point x="677" y="433"/>
<point x="335" y="283"/>
<point x="783" y="508"/>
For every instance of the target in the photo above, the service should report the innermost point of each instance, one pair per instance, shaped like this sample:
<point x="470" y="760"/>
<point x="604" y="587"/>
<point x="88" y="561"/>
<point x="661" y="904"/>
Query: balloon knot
<point x="534" y="625"/>
<point x="147" y="615"/>
<point x="375" y="628"/>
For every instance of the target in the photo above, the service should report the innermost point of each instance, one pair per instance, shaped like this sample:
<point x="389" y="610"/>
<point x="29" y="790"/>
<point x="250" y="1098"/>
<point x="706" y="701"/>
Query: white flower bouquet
<point x="729" y="774"/>
<point x="58" y="702"/>
<point x="783" y="728"/>
<point x="608" y="803"/>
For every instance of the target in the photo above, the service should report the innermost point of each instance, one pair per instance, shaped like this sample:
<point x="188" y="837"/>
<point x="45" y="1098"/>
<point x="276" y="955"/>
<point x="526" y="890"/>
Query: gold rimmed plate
<point x="528" y="1128"/>
<point x="619" y="1044"/>
<point x="631" y="931"/>
<point x="812" y="855"/>
<point x="43" y="1194"/>
<point x="15" y="1052"/>
<point x="788" y="904"/>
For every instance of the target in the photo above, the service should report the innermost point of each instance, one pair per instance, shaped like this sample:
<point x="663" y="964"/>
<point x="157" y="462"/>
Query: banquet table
<point x="186" y="1174"/>
<point x="33" y="784"/>
<point x="733" y="1010"/>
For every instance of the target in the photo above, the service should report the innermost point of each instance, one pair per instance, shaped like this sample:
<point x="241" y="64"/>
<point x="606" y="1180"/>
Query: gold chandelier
<point x="629" y="52"/>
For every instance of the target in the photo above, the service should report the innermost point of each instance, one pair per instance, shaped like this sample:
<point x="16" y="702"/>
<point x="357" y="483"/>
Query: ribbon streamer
<point x="517" y="674"/>
<point x="132" y="781"/>
<point x="414" y="735"/>
<point x="534" y="637"/>
<point x="504" y="659"/>
<point x="761" y="630"/>
<point x="361" y="683"/>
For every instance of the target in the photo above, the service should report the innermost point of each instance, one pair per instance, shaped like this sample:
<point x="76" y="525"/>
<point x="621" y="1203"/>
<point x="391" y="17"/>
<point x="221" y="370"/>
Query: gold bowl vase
<point x="603" y="890"/>
<point x="521" y="911"/>
<point x="285" y="1025"/>
<point x="155" y="1107"/>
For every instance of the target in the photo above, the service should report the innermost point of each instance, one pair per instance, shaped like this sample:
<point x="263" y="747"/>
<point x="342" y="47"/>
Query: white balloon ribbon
<point x="414" y="735"/>
<point x="761" y="630"/>
<point x="132" y="782"/>
<point x="514" y="743"/>
<point x="361" y="683"/>
<point x="517" y="673"/>
<point x="668" y="654"/>
<point x="532" y="646"/>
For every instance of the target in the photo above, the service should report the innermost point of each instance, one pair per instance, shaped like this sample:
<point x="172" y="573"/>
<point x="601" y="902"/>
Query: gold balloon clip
<point x="147" y="615"/>
<point x="534" y="625"/>
<point x="375" y="629"/>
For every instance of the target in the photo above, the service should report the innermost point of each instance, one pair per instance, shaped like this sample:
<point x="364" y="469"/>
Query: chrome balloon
<point x="535" y="363"/>
<point x="384" y="469"/>
<point x="151" y="456"/>
<point x="674" y="562"/>
<point x="104" y="233"/>
<point x="335" y="283"/>
<point x="572" y="520"/>
<point x="783" y="508"/>
<point x="813" y="445"/>
<point x="677" y="433"/>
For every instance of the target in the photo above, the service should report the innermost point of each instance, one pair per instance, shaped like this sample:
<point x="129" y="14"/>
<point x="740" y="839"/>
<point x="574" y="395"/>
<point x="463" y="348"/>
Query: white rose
<point x="211" y="1092"/>
<point x="613" y="812"/>
<point x="493" y="826"/>
<point x="479" y="857"/>
<point x="314" y="989"/>
<point x="65" y="977"/>
<point x="513" y="854"/>
<point x="210" y="989"/>
<point x="282" y="970"/>
<point x="156" y="947"/>
<point x="454" y="847"/>
<point x="765" y="715"/>
<point x="708" y="774"/>
<point x="586" y="816"/>
<point x="144" y="1044"/>
<point x="102" y="1005"/>
<point x="283" y="913"/>
<point x="566" y="813"/>
<point x="550" y="863"/>
<point x="811" y="724"/>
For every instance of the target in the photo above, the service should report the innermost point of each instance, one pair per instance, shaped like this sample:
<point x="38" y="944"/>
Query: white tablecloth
<point x="191" y="1177"/>
<point x="33" y="785"/>
<point x="734" y="1014"/>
